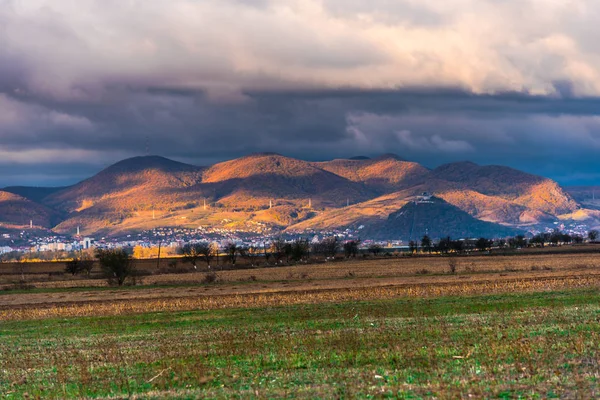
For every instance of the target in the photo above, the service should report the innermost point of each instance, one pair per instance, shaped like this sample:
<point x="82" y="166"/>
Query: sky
<point x="86" y="83"/>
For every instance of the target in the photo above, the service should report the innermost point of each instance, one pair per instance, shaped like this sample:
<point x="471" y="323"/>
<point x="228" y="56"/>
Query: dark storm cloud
<point x="542" y="134"/>
<point x="86" y="83"/>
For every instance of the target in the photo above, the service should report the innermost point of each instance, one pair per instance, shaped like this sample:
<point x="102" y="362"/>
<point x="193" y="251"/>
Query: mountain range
<point x="269" y="191"/>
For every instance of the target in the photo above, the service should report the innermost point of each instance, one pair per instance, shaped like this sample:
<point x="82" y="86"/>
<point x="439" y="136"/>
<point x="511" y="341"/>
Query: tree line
<point x="279" y="251"/>
<point x="117" y="264"/>
<point x="448" y="245"/>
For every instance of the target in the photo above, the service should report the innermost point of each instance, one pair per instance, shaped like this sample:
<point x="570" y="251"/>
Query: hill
<point x="494" y="208"/>
<point x="490" y="208"/>
<point x="588" y="196"/>
<point x="139" y="183"/>
<point x="265" y="176"/>
<point x="492" y="193"/>
<point x="387" y="173"/>
<point x="366" y="213"/>
<point x="534" y="192"/>
<point x="268" y="190"/>
<point x="17" y="211"/>
<point x="146" y="192"/>
<point x="36" y="194"/>
<point x="126" y="193"/>
<point x="436" y="218"/>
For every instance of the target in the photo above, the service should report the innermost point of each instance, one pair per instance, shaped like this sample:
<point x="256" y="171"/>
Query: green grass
<point x="504" y="346"/>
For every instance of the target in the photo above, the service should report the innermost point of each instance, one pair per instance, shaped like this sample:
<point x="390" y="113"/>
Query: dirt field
<point x="387" y="277"/>
<point x="51" y="274"/>
<point x="401" y="327"/>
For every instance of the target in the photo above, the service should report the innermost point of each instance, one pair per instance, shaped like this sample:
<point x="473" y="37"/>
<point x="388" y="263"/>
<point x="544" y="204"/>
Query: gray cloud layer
<point x="84" y="83"/>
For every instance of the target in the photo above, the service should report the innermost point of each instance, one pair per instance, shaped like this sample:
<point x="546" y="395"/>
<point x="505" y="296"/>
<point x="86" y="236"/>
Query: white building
<point x="5" y="249"/>
<point x="86" y="243"/>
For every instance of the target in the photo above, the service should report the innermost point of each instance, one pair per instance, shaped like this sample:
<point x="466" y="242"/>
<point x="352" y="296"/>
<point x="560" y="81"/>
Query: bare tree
<point x="278" y="249"/>
<point x="375" y="249"/>
<point x="483" y="244"/>
<point x="208" y="251"/>
<point x="426" y="244"/>
<point x="267" y="252"/>
<point x="300" y="249"/>
<point x="251" y="253"/>
<point x="21" y="268"/>
<point x="232" y="251"/>
<point x="556" y="237"/>
<point x="86" y="265"/>
<point x="351" y="248"/>
<point x="116" y="264"/>
<point x="327" y="247"/>
<point x="192" y="253"/>
<point x="444" y="245"/>
<point x="79" y="265"/>
<point x="72" y="267"/>
<point x="330" y="246"/>
<point x="412" y="247"/>
<point x="593" y="235"/>
<point x="318" y="249"/>
<point x="458" y="246"/>
<point x="517" y="242"/>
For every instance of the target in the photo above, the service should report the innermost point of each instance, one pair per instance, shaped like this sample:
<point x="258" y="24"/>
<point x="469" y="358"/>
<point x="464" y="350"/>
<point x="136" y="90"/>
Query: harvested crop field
<point x="537" y="345"/>
<point x="51" y="275"/>
<point x="498" y="326"/>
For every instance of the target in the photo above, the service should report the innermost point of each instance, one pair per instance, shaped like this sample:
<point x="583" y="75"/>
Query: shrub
<point x="210" y="277"/>
<point x="453" y="265"/>
<point x="78" y="265"/>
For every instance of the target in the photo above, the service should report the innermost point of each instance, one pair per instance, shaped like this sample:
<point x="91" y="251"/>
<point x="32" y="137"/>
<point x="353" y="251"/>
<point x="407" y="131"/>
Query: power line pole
<point x="158" y="259"/>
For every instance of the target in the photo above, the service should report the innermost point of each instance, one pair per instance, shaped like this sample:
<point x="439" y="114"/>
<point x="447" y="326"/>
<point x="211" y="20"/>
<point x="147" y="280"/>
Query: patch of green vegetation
<point x="503" y="346"/>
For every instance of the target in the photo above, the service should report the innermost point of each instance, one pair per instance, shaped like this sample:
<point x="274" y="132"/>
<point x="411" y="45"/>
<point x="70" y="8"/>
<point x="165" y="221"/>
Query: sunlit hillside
<point x="267" y="191"/>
